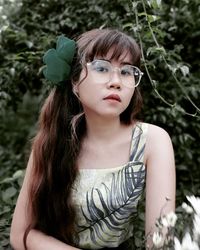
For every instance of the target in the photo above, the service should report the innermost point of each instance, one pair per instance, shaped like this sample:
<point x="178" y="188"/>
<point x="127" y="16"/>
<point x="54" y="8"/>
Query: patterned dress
<point x="106" y="199"/>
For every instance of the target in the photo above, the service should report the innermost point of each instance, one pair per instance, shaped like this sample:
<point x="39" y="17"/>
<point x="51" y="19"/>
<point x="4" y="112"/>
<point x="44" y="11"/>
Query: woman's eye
<point x="126" y="72"/>
<point x="101" y="69"/>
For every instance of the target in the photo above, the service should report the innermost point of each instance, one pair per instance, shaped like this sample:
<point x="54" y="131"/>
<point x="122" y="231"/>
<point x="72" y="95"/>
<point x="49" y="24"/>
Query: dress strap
<point x="138" y="142"/>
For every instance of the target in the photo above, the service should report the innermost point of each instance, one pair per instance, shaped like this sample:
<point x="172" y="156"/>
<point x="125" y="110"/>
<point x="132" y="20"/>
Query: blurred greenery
<point x="168" y="33"/>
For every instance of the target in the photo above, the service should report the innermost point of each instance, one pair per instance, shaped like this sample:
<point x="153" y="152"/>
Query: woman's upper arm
<point x="160" y="179"/>
<point x="21" y="213"/>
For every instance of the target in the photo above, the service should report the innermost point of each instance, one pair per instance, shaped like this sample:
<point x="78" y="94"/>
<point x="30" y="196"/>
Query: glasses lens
<point x="130" y="75"/>
<point x="100" y="70"/>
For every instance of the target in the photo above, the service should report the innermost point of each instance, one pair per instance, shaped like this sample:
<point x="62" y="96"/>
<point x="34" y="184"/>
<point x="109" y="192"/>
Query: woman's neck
<point x="103" y="129"/>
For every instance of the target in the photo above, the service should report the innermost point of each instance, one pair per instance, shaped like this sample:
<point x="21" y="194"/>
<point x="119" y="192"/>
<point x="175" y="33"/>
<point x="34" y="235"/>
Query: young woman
<point x="91" y="157"/>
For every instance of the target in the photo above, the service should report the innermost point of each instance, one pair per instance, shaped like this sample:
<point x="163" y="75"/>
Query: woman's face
<point x="101" y="97"/>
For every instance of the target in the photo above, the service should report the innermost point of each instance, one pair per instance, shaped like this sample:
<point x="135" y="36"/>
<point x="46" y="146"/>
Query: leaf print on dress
<point x="111" y="206"/>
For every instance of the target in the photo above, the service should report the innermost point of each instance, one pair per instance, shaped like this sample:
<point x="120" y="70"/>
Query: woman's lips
<point x="113" y="97"/>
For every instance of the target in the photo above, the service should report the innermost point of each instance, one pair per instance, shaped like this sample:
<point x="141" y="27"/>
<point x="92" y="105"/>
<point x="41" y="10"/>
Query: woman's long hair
<point x="58" y="140"/>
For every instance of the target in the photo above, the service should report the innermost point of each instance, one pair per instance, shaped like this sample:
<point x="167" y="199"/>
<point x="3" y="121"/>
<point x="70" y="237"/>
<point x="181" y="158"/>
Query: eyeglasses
<point x="102" y="72"/>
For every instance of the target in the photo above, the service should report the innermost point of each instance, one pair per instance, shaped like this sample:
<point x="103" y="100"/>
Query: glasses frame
<point x="119" y="70"/>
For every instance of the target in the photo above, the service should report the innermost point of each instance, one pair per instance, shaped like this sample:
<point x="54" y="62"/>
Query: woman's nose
<point x="115" y="80"/>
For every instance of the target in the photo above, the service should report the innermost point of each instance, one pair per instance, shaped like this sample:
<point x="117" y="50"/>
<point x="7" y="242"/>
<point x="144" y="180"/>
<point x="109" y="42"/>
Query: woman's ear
<point x="75" y="90"/>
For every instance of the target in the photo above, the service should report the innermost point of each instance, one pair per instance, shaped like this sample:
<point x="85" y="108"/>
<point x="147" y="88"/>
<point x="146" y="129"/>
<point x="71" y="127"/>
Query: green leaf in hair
<point x="58" y="61"/>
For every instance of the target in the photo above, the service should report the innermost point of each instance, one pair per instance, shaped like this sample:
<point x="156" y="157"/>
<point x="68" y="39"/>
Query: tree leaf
<point x="9" y="193"/>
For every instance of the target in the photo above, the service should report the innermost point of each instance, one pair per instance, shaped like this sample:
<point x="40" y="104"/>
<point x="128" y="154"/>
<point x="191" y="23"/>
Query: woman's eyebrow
<point x="125" y="63"/>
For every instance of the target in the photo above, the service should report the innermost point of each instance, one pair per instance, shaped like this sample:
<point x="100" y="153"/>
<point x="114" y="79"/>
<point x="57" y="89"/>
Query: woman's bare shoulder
<point x="158" y="140"/>
<point x="156" y="131"/>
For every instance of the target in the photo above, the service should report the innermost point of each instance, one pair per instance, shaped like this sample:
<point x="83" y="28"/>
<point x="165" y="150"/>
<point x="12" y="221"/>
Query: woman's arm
<point x="39" y="241"/>
<point x="36" y="240"/>
<point x="160" y="179"/>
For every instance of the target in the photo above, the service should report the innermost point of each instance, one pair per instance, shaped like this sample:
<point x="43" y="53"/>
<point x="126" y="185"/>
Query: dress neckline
<point x="136" y="125"/>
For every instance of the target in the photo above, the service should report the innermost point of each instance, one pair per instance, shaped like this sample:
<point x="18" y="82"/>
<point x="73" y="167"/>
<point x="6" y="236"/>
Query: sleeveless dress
<point x="106" y="199"/>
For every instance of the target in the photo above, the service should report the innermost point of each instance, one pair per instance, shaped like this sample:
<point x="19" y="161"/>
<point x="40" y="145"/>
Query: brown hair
<point x="55" y="148"/>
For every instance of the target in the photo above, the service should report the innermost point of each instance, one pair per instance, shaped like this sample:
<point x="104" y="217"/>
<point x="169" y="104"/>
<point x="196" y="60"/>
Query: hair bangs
<point x="101" y="42"/>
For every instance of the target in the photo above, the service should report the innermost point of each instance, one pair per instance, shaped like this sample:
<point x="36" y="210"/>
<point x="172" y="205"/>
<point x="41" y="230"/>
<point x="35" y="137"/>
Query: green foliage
<point x="8" y="195"/>
<point x="172" y="99"/>
<point x="168" y="33"/>
<point x="16" y="129"/>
